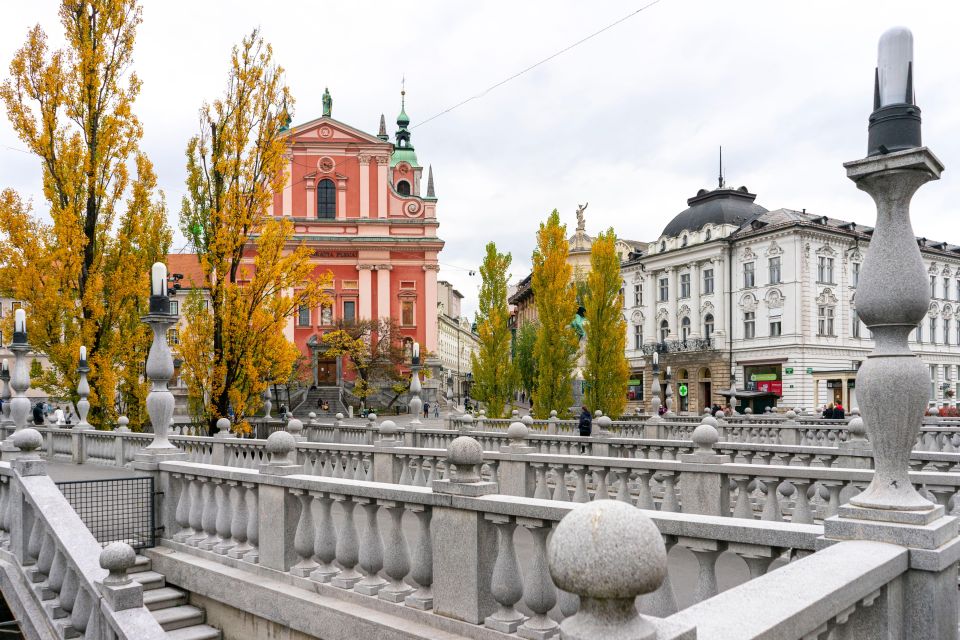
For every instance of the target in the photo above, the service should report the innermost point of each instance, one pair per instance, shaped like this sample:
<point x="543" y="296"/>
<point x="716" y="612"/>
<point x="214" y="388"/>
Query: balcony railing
<point x="675" y="346"/>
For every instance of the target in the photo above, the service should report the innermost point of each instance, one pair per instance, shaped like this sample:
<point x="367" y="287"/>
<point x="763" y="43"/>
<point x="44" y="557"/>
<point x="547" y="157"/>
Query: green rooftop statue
<point x="579" y="323"/>
<point x="327" y="103"/>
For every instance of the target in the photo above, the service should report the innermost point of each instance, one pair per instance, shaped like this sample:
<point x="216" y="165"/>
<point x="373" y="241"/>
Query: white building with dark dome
<point x="732" y="289"/>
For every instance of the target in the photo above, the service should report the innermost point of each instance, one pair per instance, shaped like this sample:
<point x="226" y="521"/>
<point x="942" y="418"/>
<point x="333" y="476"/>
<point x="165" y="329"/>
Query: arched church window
<point x="403" y="188"/>
<point x="326" y="200"/>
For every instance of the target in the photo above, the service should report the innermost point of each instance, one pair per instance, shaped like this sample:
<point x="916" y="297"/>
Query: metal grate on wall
<point x="115" y="510"/>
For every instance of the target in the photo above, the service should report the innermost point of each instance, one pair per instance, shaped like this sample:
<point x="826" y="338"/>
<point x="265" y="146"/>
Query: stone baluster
<point x="602" y="491"/>
<point x="539" y="593"/>
<point x="422" y="573"/>
<point x="396" y="562"/>
<point x="58" y="571"/>
<point x="744" y="506"/>
<point x="304" y="537"/>
<point x="184" y="509"/>
<point x="325" y="538"/>
<point x="68" y="593"/>
<point x="661" y="603"/>
<point x="626" y="558"/>
<point x="238" y="521"/>
<point x="644" y="496"/>
<point x="370" y="551"/>
<point x="560" y="491"/>
<point x="206" y="538"/>
<point x="507" y="582"/>
<point x="580" y="494"/>
<point x="541" y="492"/>
<point x="253" y="523"/>
<point x="706" y="552"/>
<point x="82" y="607"/>
<point x="347" y="546"/>
<point x="196" y="512"/>
<point x="669" y="503"/>
<point x="802" y="513"/>
<point x="223" y="519"/>
<point x="771" y="504"/>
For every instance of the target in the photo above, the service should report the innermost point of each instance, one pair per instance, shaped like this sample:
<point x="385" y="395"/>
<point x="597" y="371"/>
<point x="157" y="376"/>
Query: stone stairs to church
<point x="314" y="400"/>
<point x="170" y="606"/>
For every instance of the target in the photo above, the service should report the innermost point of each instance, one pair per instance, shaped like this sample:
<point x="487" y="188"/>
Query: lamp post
<point x="83" y="390"/>
<point x="159" y="370"/>
<point x="416" y="404"/>
<point x="893" y="293"/>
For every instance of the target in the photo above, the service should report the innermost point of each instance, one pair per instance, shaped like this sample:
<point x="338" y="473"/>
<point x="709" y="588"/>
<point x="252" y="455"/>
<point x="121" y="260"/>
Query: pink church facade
<point x="360" y="203"/>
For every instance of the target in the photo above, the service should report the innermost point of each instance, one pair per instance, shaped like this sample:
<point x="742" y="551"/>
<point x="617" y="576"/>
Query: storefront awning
<point x="743" y="393"/>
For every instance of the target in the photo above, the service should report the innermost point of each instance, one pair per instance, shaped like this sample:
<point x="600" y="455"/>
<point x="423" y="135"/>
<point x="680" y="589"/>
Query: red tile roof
<point x="187" y="264"/>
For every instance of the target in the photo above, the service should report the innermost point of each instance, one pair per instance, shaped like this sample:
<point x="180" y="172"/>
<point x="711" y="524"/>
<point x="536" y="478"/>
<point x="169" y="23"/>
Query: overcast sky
<point x="629" y="121"/>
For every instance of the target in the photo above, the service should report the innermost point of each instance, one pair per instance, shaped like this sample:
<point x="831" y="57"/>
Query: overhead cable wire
<point x="536" y="64"/>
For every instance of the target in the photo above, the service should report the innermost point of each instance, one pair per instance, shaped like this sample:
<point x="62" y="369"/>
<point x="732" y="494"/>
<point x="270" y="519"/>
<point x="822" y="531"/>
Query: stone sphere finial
<point x="483" y="413"/>
<point x="466" y="455"/>
<point x="857" y="430"/>
<point x="517" y="432"/>
<point x="855" y="411"/>
<point x="705" y="436"/>
<point x="707" y="411"/>
<point x="791" y="415"/>
<point x="117" y="558"/>
<point x="371" y="416"/>
<point x="718" y="414"/>
<point x="279" y="445"/>
<point x="389" y="428"/>
<point x="27" y="440"/>
<point x="604" y="423"/>
<point x="312" y="416"/>
<point x="527" y="420"/>
<point x="123" y="423"/>
<point x="607" y="552"/>
<point x="748" y="411"/>
<point x="466" y="422"/>
<point x="515" y="414"/>
<point x="294" y="427"/>
<point x="223" y="426"/>
<point x="553" y="413"/>
<point x="597" y="413"/>
<point x="339" y="416"/>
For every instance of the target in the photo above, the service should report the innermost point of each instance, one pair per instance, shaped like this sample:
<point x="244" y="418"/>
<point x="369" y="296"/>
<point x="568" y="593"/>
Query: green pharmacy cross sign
<point x="682" y="390"/>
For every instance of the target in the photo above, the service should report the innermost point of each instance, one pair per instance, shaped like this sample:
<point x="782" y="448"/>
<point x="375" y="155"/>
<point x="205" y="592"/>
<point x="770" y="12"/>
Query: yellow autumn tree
<point x="83" y="276"/>
<point x="607" y="372"/>
<point x="256" y="275"/>
<point x="556" y="300"/>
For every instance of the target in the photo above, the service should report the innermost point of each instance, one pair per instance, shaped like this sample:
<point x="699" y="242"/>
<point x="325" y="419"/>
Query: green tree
<point x="493" y="374"/>
<point x="556" y="301"/>
<point x="524" y="359"/>
<point x="606" y="372"/>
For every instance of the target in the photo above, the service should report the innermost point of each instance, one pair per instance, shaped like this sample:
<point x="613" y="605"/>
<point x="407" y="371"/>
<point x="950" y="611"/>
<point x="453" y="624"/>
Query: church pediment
<point x="328" y="130"/>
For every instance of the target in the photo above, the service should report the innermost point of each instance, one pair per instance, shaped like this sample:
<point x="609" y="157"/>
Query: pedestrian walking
<point x="436" y="410"/>
<point x="58" y="416"/>
<point x="426" y="409"/>
<point x="38" y="414"/>
<point x="585" y="425"/>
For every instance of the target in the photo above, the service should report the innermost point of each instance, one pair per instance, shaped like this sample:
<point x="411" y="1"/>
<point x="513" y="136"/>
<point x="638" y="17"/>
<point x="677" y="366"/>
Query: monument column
<point x="695" y="321"/>
<point x="364" y="187"/>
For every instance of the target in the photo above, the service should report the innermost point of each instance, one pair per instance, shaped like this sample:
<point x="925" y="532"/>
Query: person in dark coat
<point x="586" y="422"/>
<point x="838" y="412"/>
<point x="38" y="414"/>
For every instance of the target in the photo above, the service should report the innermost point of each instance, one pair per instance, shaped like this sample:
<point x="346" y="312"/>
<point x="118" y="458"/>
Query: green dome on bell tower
<point x="403" y="150"/>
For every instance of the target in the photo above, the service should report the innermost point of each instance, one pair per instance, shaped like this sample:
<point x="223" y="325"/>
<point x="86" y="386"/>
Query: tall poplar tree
<point x="84" y="276"/>
<point x="556" y="300"/>
<point x="606" y="372"/>
<point x="493" y="374"/>
<point x="256" y="276"/>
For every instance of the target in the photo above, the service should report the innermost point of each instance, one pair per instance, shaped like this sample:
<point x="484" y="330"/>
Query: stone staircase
<point x="314" y="397"/>
<point x="169" y="605"/>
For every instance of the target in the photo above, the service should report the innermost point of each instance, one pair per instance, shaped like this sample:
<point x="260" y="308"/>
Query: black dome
<point x="721" y="206"/>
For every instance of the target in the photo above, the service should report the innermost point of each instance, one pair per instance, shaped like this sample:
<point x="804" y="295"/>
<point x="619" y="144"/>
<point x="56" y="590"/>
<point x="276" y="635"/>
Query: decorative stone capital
<point x="365" y="267"/>
<point x="363" y="159"/>
<point x="382" y="160"/>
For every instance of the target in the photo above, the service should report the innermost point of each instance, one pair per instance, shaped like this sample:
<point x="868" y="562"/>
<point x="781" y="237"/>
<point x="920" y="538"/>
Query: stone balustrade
<point x="57" y="565"/>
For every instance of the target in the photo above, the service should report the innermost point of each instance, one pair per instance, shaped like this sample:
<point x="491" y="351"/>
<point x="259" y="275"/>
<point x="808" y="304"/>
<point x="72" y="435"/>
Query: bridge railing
<point x="45" y="546"/>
